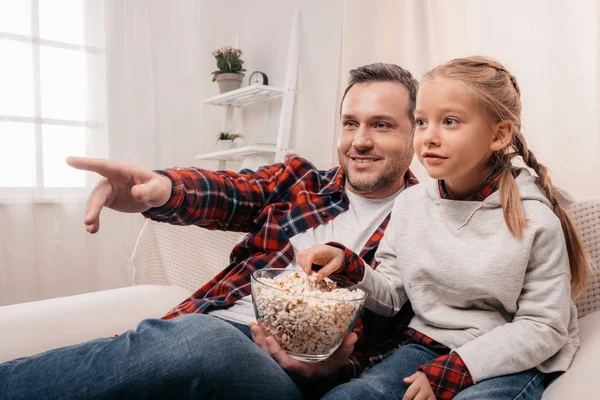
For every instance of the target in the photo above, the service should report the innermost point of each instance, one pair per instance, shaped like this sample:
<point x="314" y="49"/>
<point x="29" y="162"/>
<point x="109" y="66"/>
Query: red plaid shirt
<point x="480" y="195"/>
<point x="447" y="374"/>
<point x="274" y="203"/>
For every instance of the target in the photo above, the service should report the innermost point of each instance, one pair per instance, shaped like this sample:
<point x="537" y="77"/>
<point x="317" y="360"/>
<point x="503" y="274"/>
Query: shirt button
<point x="286" y="229"/>
<point x="324" y="213"/>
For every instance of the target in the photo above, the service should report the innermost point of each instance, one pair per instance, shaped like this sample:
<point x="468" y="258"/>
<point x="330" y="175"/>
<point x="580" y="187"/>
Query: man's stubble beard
<point x="387" y="177"/>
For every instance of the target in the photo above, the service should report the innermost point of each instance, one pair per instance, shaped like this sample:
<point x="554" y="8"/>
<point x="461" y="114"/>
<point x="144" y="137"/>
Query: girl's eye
<point x="420" y="122"/>
<point x="450" y="121"/>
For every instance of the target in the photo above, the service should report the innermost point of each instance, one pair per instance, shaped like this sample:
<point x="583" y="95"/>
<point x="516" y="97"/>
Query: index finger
<point x="106" y="168"/>
<point x="304" y="260"/>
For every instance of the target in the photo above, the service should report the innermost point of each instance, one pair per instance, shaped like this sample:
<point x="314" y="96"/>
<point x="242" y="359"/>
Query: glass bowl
<point x="309" y="320"/>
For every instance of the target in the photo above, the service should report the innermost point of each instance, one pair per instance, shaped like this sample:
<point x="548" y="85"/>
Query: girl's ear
<point x="503" y="134"/>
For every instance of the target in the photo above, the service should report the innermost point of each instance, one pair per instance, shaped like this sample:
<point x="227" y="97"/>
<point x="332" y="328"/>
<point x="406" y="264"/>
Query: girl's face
<point x="452" y="138"/>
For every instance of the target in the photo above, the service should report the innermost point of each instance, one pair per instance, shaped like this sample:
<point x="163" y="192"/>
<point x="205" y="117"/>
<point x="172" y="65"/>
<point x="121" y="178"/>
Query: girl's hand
<point x="331" y="258"/>
<point x="419" y="388"/>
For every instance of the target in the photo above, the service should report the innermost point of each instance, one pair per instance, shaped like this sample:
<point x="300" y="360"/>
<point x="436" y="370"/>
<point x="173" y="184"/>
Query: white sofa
<point x="171" y="262"/>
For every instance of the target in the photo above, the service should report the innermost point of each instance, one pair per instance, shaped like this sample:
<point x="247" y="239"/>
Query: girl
<point x="485" y="253"/>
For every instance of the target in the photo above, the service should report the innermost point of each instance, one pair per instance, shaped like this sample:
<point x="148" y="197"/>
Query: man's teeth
<point x="362" y="160"/>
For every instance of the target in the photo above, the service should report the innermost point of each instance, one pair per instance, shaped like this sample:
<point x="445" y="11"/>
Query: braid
<point x="500" y="69"/>
<point x="514" y="82"/>
<point x="511" y="77"/>
<point x="512" y="207"/>
<point x="579" y="258"/>
<point x="542" y="172"/>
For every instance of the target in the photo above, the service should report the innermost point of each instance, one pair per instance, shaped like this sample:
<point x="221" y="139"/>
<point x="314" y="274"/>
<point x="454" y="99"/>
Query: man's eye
<point x="381" y="125"/>
<point x="450" y="121"/>
<point x="349" y="124"/>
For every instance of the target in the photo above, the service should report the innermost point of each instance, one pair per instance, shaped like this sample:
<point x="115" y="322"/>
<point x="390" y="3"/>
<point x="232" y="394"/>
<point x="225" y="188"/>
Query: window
<point x="52" y="92"/>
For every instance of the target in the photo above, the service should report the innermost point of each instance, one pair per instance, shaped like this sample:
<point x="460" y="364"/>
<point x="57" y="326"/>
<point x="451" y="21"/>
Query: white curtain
<point x="151" y="64"/>
<point x="552" y="46"/>
<point x="157" y="69"/>
<point x="59" y="110"/>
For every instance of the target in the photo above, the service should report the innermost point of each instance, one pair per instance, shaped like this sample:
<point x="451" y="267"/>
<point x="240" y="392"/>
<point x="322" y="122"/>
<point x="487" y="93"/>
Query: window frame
<point x="38" y="192"/>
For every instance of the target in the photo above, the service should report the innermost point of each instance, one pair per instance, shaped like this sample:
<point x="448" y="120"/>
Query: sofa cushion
<point x="31" y="328"/>
<point x="579" y="382"/>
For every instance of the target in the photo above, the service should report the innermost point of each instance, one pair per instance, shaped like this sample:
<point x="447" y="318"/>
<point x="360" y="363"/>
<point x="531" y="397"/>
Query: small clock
<point x="258" y="78"/>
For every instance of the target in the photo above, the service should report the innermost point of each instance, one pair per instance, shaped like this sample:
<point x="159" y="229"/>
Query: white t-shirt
<point x="351" y="228"/>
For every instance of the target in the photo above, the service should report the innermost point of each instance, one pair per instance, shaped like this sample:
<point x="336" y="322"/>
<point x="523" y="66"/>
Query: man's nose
<point x="363" y="138"/>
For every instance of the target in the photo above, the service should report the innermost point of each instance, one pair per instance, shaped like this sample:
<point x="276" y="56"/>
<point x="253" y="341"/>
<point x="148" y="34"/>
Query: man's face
<point x="375" y="144"/>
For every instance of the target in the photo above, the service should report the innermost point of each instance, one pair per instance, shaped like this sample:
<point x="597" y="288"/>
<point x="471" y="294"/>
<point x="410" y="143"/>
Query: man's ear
<point x="503" y="133"/>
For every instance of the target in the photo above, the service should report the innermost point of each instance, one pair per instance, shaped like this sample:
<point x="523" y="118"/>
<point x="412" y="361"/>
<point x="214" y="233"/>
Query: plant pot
<point x="229" y="82"/>
<point x="224" y="145"/>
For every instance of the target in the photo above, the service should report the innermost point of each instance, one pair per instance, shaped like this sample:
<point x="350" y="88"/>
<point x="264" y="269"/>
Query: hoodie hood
<point x="461" y="211"/>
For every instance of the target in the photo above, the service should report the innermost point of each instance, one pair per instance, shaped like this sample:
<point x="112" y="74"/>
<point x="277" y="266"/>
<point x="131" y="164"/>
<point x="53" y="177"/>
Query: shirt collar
<point x="481" y="194"/>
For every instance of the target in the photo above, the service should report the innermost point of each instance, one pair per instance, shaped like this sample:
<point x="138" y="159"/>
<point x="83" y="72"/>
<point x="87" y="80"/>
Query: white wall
<point x="553" y="50"/>
<point x="158" y="71"/>
<point x="552" y="47"/>
<point x="264" y="31"/>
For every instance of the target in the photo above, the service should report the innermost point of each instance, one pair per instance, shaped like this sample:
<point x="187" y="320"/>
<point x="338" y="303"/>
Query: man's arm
<point x="218" y="200"/>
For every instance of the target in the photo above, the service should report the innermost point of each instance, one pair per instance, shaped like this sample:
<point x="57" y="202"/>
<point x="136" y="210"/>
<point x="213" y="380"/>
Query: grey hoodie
<point x="503" y="304"/>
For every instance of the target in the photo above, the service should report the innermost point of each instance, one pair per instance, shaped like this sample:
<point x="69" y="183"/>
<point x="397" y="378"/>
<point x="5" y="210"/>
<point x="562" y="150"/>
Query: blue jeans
<point x="190" y="357"/>
<point x="384" y="381"/>
<point x="201" y="357"/>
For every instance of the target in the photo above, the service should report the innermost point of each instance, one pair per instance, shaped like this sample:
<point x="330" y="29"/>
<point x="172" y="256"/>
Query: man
<point x="201" y="349"/>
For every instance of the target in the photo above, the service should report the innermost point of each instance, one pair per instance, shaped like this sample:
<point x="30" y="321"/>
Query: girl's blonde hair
<point x="498" y="97"/>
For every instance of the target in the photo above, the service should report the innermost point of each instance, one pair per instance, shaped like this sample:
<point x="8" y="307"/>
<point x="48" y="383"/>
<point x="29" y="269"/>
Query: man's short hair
<point x="381" y="72"/>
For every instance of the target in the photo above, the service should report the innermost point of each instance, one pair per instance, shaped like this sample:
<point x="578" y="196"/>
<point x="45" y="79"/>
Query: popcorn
<point x="306" y="317"/>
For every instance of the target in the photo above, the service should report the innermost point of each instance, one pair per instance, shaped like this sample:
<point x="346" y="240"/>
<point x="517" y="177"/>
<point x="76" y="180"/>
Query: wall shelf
<point x="255" y="155"/>
<point x="246" y="96"/>
<point x="238" y="153"/>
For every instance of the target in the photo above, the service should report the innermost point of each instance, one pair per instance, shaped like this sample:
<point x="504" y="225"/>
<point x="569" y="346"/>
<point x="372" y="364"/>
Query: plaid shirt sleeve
<point x="447" y="375"/>
<point x="353" y="266"/>
<point x="221" y="200"/>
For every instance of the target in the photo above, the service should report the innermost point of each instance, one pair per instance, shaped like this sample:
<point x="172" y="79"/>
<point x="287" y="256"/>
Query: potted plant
<point x="225" y="140"/>
<point x="230" y="68"/>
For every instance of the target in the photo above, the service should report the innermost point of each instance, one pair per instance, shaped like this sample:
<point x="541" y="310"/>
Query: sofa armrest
<point x="579" y="382"/>
<point x="31" y="328"/>
<point x="185" y="256"/>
